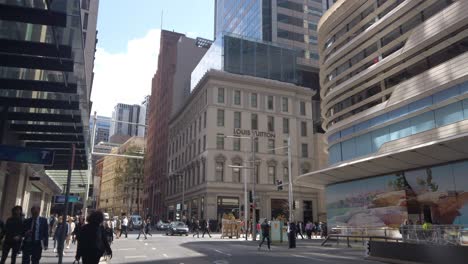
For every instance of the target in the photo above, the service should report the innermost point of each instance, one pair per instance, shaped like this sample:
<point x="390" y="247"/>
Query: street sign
<point x="61" y="199"/>
<point x="26" y="155"/>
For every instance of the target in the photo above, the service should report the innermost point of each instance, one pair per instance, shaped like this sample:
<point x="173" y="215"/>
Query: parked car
<point x="135" y="222"/>
<point x="177" y="228"/>
<point x="163" y="226"/>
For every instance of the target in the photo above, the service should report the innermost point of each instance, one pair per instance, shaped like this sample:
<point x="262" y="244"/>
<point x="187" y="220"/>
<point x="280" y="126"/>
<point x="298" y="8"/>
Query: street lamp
<point x="246" y="210"/>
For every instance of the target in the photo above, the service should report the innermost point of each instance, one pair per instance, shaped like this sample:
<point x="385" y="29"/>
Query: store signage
<point x="26" y="155"/>
<point x="58" y="199"/>
<point x="255" y="133"/>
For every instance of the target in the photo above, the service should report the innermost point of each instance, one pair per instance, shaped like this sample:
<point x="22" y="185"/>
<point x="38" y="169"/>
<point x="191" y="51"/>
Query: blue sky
<point x="128" y="44"/>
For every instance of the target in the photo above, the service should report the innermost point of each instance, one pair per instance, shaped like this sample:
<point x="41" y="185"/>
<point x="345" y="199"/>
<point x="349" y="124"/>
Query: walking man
<point x="143" y="229"/>
<point x="299" y="229"/>
<point x="124" y="225"/>
<point x="148" y="226"/>
<point x="265" y="234"/>
<point x="196" y="228"/>
<point x="36" y="237"/>
<point x="206" y="227"/>
<point x="13" y="230"/>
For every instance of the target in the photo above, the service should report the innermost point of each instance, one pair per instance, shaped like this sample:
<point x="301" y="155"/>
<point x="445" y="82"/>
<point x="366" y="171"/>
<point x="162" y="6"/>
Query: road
<point x="188" y="250"/>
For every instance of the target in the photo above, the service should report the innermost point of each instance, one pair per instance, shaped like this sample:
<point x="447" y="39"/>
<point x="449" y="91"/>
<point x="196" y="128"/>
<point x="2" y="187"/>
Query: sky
<point x="128" y="45"/>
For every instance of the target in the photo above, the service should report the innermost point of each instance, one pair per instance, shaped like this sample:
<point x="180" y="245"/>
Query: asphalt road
<point x="188" y="250"/>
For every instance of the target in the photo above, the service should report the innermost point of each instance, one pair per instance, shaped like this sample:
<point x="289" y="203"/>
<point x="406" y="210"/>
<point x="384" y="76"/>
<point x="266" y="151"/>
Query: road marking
<point x="131" y="257"/>
<point x="221" y="262"/>
<point x="220" y="252"/>
<point x="330" y="256"/>
<point x="123" y="249"/>
<point x="165" y="255"/>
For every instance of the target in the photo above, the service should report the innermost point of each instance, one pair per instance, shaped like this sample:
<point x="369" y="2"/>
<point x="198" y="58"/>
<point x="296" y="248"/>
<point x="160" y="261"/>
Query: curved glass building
<point x="394" y="89"/>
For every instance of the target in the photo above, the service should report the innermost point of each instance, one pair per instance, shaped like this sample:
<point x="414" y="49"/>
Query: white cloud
<point x="125" y="77"/>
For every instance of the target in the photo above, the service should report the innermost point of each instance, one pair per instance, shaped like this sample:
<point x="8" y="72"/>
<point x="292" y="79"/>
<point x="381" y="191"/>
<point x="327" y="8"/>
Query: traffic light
<point x="279" y="185"/>
<point x="294" y="205"/>
<point x="250" y="197"/>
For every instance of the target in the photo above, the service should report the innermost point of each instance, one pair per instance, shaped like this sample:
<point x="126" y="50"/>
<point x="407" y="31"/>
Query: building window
<point x="304" y="129"/>
<point x="85" y="4"/>
<point x="285" y="125"/>
<point x="199" y="146"/>
<point x="220" y="119"/>
<point x="302" y="106"/>
<point x="285" y="144"/>
<point x="304" y="150"/>
<point x="236" y="173"/>
<point x="237" y="97"/>
<point x="253" y="100"/>
<point x="270" y="102"/>
<point x="271" y="123"/>
<point x="271" y="146"/>
<point x="237" y="120"/>
<point x="221" y="95"/>
<point x="85" y="21"/>
<point x="220" y="141"/>
<point x="271" y="174"/>
<point x="204" y="142"/>
<point x="254" y="122"/>
<point x="236" y="144"/>
<point x="204" y="119"/>
<point x="284" y="104"/>
<point x="219" y="171"/>
<point x="199" y="124"/>
<point x="256" y="145"/>
<point x="285" y="174"/>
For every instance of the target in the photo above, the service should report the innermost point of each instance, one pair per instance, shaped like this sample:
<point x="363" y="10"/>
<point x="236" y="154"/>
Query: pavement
<point x="160" y="248"/>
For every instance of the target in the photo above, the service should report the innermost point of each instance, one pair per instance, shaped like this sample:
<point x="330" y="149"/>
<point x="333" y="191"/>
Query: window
<point x="236" y="173"/>
<point x="304" y="129"/>
<point x="253" y="100"/>
<point x="302" y="109"/>
<point x="285" y="144"/>
<point x="270" y="102"/>
<point x="254" y="122"/>
<point x="256" y="145"/>
<point x="199" y="146"/>
<point x="204" y="119"/>
<point x="204" y="142"/>
<point x="271" y="146"/>
<point x="221" y="95"/>
<point x="285" y="125"/>
<point x="236" y="144"/>
<point x="237" y="119"/>
<point x="85" y="21"/>
<point x="304" y="150"/>
<point x="237" y="97"/>
<point x="220" y="119"/>
<point x="199" y="124"/>
<point x="85" y="4"/>
<point x="271" y="123"/>
<point x="271" y="174"/>
<point x="220" y="141"/>
<point x="219" y="171"/>
<point x="285" y="175"/>
<point x="284" y="104"/>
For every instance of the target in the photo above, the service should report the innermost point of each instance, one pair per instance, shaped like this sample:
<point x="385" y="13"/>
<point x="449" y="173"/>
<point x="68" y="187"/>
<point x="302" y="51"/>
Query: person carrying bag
<point x="92" y="242"/>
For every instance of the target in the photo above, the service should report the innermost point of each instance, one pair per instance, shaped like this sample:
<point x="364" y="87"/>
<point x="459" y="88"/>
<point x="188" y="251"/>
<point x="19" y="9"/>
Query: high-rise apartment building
<point x="395" y="108"/>
<point x="178" y="56"/>
<point x="144" y="115"/>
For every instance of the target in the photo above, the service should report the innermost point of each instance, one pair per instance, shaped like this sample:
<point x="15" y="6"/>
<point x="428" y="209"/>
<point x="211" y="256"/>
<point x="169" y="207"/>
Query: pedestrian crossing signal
<point x="279" y="185"/>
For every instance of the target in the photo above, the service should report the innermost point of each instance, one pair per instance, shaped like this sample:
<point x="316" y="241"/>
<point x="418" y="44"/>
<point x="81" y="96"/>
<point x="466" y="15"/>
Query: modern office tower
<point x="89" y="14"/>
<point x="44" y="101"/>
<point x="102" y="129"/>
<point x="127" y="122"/>
<point x="144" y="116"/>
<point x="178" y="56"/>
<point x="201" y="184"/>
<point x="395" y="108"/>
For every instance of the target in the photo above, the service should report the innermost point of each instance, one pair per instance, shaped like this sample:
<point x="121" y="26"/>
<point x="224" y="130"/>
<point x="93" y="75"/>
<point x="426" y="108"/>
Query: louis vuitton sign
<point x="255" y="133"/>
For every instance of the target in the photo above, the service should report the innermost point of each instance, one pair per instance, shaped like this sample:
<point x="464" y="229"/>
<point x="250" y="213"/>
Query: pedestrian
<point x="196" y="228"/>
<point x="206" y="227"/>
<point x="292" y="235"/>
<point x="142" y="229"/>
<point x="124" y="225"/>
<point x="76" y="232"/>
<point x="60" y="230"/>
<point x="109" y="232"/>
<point x="148" y="226"/>
<point x="36" y="237"/>
<point x="12" y="232"/>
<point x="92" y="242"/>
<point x="300" y="229"/>
<point x="71" y="229"/>
<point x="309" y="228"/>
<point x="52" y="221"/>
<point x="265" y="234"/>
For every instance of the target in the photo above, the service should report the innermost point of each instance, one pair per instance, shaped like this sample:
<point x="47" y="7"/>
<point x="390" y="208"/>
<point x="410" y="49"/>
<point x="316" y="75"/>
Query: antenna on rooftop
<point x="162" y="14"/>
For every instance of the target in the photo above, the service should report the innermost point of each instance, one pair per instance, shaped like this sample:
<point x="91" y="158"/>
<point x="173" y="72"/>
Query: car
<point x="177" y="228"/>
<point x="135" y="222"/>
<point x="162" y="225"/>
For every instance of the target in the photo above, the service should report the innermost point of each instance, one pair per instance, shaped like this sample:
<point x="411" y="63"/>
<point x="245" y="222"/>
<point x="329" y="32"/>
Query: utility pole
<point x="254" y="208"/>
<point x="290" y="188"/>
